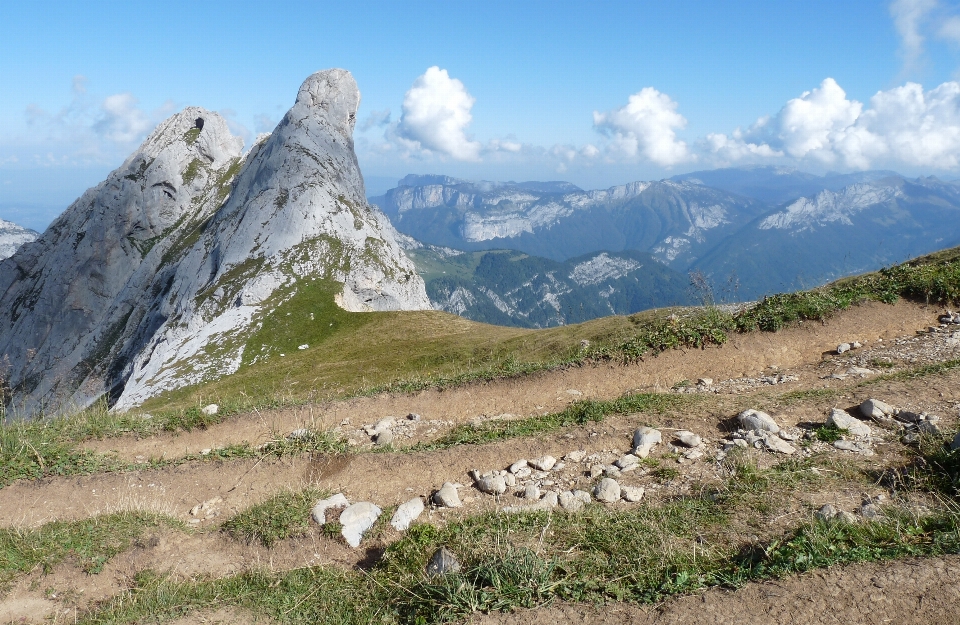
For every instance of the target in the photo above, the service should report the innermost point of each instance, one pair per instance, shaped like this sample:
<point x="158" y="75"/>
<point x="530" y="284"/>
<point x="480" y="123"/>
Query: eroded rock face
<point x="155" y="278"/>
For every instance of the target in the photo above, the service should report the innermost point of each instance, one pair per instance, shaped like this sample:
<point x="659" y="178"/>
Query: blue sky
<point x="598" y="93"/>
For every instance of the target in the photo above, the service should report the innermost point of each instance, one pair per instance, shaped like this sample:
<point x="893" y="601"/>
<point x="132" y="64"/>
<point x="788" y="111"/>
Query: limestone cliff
<point x="155" y="278"/>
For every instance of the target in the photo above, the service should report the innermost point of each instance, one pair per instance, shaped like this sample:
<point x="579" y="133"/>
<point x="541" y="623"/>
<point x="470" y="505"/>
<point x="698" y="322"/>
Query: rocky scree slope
<point x="157" y="277"/>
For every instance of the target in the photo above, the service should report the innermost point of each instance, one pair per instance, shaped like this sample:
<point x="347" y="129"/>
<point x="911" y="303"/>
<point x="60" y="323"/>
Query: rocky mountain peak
<point x="157" y="277"/>
<point x="333" y="96"/>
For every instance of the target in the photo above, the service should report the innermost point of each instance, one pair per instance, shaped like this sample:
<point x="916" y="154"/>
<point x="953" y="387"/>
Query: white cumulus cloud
<point x="901" y="126"/>
<point x="646" y="128"/>
<point x="435" y="115"/>
<point x="122" y="120"/>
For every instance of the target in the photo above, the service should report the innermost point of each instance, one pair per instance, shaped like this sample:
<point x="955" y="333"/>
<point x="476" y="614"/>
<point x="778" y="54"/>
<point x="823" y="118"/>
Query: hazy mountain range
<point x="750" y="232"/>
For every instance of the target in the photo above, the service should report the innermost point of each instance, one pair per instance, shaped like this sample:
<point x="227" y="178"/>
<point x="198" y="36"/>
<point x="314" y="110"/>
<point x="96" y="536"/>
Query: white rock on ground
<point x="549" y="501"/>
<point x="607" y="490"/>
<point x="320" y="508"/>
<point x="876" y="409"/>
<point x="757" y="421"/>
<point x="492" y="485"/>
<point x="531" y="492"/>
<point x="406" y="514"/>
<point x="631" y="493"/>
<point x="357" y="519"/>
<point x="210" y="409"/>
<point x="543" y="463"/>
<point x="777" y="444"/>
<point x="626" y="461"/>
<point x="845" y="421"/>
<point x="447" y="496"/>
<point x="688" y="438"/>
<point x="518" y="465"/>
<point x="644" y="438"/>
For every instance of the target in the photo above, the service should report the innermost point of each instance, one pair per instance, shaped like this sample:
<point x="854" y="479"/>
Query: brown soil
<point x="744" y="355"/>
<point x="907" y="592"/>
<point x="393" y="477"/>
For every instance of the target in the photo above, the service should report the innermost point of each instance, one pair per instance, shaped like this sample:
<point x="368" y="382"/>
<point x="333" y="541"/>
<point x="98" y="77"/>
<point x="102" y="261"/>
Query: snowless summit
<point x="157" y="277"/>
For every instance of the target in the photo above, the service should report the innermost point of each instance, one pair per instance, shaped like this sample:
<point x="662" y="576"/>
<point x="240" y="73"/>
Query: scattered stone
<point x="383" y="424"/>
<point x="629" y="460"/>
<point x="705" y="382"/>
<point x="928" y="427"/>
<point x="631" y="493"/>
<point x="829" y="514"/>
<point x="871" y="512"/>
<point x="611" y="471"/>
<point x="383" y="438"/>
<point x="531" y="492"/>
<point x="607" y="490"/>
<point x="596" y="470"/>
<point x="876" y="409"/>
<point x="447" y="496"/>
<point x="788" y="436"/>
<point x="909" y="417"/>
<point x="754" y="420"/>
<point x="492" y="485"/>
<point x="517" y="466"/>
<point x="693" y="454"/>
<point x="510" y="479"/>
<point x="303" y="347"/>
<point x="843" y="348"/>
<point x="543" y="463"/>
<point x="357" y="519"/>
<point x="406" y="514"/>
<point x="846" y="445"/>
<point x="644" y="438"/>
<point x="576" y="456"/>
<point x="688" y="439"/>
<point x="549" y="501"/>
<point x="856" y="345"/>
<point x="413" y="417"/>
<point x="778" y="445"/>
<point x="442" y="562"/>
<point x="320" y="508"/>
<point x="210" y="410"/>
<point x="570" y="502"/>
<point x="845" y="421"/>
<point x="300" y="434"/>
<point x="523" y="473"/>
<point x="558" y="467"/>
<point x="861" y="371"/>
<point x="207" y="508"/>
<point x="911" y="437"/>
<point x="574" y="392"/>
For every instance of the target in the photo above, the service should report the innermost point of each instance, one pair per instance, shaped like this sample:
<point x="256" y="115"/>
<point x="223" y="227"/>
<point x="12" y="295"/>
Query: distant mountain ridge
<point x="506" y="287"/>
<point x="798" y="230"/>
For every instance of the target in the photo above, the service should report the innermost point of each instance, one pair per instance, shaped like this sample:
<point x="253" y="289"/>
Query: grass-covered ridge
<point x="358" y="353"/>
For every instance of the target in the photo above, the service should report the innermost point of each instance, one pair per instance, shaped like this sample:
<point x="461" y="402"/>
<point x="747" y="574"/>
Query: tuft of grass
<point x="578" y="413"/>
<point x="90" y="542"/>
<point x="829" y="433"/>
<point x="282" y="516"/>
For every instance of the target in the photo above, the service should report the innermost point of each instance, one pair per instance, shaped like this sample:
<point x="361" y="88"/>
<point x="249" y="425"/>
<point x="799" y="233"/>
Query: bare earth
<point x="914" y="591"/>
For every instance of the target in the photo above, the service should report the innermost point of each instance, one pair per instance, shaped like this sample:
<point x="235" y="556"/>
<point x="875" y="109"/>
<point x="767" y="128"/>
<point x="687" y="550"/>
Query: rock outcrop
<point x="12" y="237"/>
<point x="156" y="278"/>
